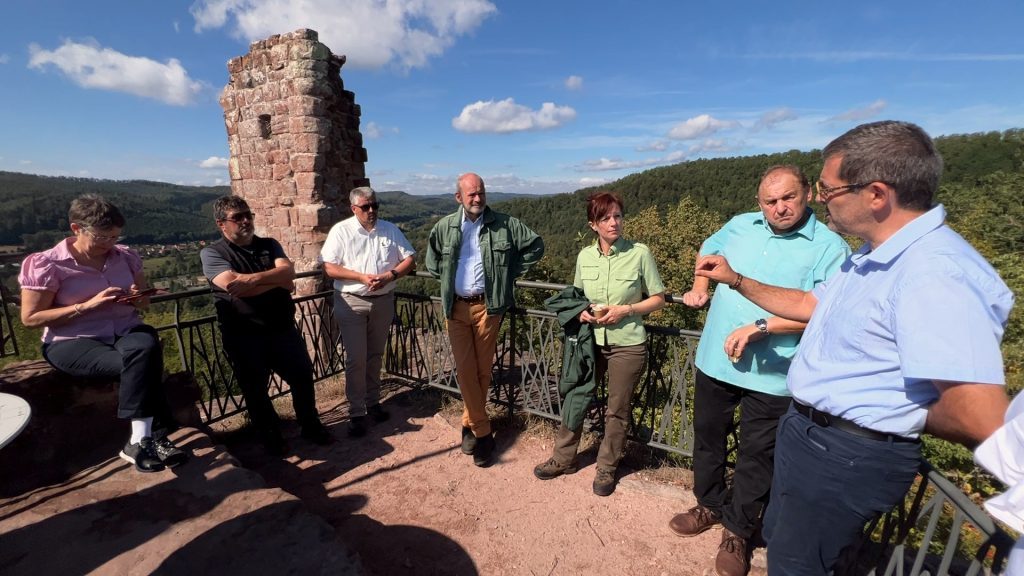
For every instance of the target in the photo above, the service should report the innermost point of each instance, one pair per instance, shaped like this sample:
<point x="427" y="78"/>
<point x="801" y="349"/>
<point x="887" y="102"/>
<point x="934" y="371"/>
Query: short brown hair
<point x="93" y="211"/>
<point x="600" y="203"/>
<point x="226" y="204"/>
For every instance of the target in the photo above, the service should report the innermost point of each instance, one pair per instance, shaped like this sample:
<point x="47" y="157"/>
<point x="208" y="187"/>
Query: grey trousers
<point x="624" y="366"/>
<point x="364" y="322"/>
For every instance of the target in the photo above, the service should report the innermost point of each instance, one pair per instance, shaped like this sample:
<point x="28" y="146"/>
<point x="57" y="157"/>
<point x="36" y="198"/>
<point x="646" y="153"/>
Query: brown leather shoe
<point x="694" y="521"/>
<point x="732" y="558"/>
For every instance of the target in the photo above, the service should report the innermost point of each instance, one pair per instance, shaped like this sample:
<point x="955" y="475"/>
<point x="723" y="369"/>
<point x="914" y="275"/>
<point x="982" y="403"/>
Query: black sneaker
<point x="143" y="455"/>
<point x="468" y="441"/>
<point x="169" y="454"/>
<point x="316" y="433"/>
<point x="483" y="451"/>
<point x="357" y="426"/>
<point x="378" y="413"/>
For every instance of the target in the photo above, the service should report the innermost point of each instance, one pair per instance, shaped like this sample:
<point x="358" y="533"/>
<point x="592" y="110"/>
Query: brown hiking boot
<point x="732" y="559"/>
<point x="694" y="521"/>
<point x="553" y="469"/>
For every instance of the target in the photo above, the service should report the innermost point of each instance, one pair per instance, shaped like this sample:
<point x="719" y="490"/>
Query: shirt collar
<point x="617" y="246"/>
<point x="895" y="245"/>
<point x="61" y="251"/>
<point x="485" y="217"/>
<point x="806" y="230"/>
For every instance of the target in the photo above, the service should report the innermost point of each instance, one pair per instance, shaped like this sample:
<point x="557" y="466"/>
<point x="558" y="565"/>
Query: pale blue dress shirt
<point x="469" y="276"/>
<point x="923" y="306"/>
<point x="799" y="259"/>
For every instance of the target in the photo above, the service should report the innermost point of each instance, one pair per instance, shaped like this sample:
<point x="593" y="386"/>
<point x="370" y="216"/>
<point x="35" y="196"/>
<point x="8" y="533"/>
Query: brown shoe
<point x="553" y="469"/>
<point x="694" y="521"/>
<point x="604" y="481"/>
<point x="732" y="559"/>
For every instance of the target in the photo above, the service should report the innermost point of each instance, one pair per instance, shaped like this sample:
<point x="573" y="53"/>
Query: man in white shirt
<point x="365" y="256"/>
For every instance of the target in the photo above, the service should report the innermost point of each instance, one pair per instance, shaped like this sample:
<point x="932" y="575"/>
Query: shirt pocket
<point x="502" y="253"/>
<point x="387" y="251"/>
<point x="589" y="273"/>
<point x="628" y="284"/>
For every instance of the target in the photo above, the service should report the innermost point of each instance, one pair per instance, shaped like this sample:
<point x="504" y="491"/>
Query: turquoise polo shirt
<point x="624" y="276"/>
<point x="801" y="258"/>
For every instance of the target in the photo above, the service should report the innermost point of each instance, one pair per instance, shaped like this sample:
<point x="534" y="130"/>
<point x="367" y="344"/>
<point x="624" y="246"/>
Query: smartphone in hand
<point x="133" y="296"/>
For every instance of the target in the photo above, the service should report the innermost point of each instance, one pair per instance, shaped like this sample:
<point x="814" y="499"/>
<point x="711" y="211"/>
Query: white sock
<point x="141" y="427"/>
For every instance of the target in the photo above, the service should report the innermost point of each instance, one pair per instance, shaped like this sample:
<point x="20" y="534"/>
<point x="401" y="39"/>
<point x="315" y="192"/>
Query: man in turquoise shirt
<point x="744" y="355"/>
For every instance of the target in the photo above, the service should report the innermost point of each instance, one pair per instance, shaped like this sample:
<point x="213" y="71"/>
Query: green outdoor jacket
<point x="577" y="383"/>
<point x="508" y="249"/>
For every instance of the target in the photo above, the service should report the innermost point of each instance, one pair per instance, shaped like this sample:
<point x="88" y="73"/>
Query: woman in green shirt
<point x="621" y="280"/>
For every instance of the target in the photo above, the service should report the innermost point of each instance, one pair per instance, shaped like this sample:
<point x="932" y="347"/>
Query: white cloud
<point x="24" y="162"/>
<point x="607" y="164"/>
<point x="770" y="118"/>
<point x="506" y="116"/>
<point x="710" y="145"/>
<point x="698" y="126"/>
<point x="371" y="33"/>
<point x="4" y="58"/>
<point x="656" y="146"/>
<point x="588" y="181"/>
<point x="92" y="66"/>
<point x="176" y="26"/>
<point x="858" y="114"/>
<point x="574" y="82"/>
<point x="214" y="162"/>
<point x="375" y="131"/>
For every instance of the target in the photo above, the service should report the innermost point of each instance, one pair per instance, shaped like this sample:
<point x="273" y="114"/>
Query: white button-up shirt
<point x="369" y="252"/>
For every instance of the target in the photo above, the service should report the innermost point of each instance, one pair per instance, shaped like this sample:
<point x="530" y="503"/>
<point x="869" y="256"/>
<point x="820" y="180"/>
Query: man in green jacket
<point x="477" y="277"/>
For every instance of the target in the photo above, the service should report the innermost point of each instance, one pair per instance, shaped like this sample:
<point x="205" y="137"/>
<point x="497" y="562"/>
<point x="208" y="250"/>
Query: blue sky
<point x="538" y="97"/>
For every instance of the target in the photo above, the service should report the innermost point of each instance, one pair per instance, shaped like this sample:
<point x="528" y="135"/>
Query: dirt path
<point x="407" y="501"/>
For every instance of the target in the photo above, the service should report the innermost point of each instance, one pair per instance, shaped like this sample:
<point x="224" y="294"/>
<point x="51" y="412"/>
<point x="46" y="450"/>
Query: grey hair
<point x="899" y="154"/>
<point x="361" y="192"/>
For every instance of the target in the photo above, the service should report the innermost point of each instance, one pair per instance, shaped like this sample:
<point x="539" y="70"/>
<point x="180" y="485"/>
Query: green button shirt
<point x="627" y="275"/>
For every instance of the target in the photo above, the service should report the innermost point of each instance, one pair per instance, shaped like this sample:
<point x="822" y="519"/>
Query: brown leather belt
<point x="826" y="420"/>
<point x="471" y="299"/>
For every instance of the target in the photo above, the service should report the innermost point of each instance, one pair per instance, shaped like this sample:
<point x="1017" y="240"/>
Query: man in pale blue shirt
<point x="743" y="357"/>
<point x="903" y="340"/>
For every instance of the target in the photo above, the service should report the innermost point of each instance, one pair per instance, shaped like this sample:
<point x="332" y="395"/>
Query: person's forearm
<point x="700" y="284"/>
<point x="405" y="267"/>
<point x="966" y="413"/>
<point x="651" y="304"/>
<point x="787" y="303"/>
<point x="778" y="325"/>
<point x="339" y="272"/>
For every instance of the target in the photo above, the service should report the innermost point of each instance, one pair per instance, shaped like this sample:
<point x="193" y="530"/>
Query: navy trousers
<point x="828" y="484"/>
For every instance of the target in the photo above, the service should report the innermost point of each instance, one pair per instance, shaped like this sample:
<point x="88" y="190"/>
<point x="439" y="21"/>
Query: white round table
<point x="14" y="415"/>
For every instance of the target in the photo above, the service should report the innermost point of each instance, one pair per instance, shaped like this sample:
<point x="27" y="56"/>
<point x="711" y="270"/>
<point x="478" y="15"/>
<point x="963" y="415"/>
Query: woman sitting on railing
<point x="85" y="292"/>
<point x="621" y="281"/>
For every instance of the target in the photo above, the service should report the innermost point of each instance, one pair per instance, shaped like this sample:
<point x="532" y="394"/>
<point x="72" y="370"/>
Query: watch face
<point x="762" y="325"/>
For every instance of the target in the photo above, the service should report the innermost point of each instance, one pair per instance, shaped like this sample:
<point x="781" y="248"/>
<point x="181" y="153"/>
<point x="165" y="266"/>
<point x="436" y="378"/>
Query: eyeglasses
<point x="241" y="217"/>
<point x="827" y="193"/>
<point x="367" y="207"/>
<point x="99" y="238"/>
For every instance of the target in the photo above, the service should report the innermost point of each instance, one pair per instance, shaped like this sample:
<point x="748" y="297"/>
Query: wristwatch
<point x="394" y="274"/>
<point x="762" y="325"/>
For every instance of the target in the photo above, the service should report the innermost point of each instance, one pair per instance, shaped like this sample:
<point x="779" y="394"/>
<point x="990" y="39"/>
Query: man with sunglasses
<point x="903" y="340"/>
<point x="743" y="357"/>
<point x="252" y="281"/>
<point x="365" y="255"/>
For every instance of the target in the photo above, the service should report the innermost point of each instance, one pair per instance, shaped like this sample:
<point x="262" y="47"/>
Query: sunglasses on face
<point x="367" y="207"/>
<point x="241" y="217"/>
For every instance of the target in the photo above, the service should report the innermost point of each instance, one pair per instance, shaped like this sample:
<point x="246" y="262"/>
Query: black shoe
<point x="552" y="468"/>
<point x="604" y="482"/>
<point x="483" y="451"/>
<point x="169" y="454"/>
<point x="273" y="442"/>
<point x="316" y="433"/>
<point x="378" y="413"/>
<point x="143" y="455"/>
<point x="357" y="427"/>
<point x="468" y="441"/>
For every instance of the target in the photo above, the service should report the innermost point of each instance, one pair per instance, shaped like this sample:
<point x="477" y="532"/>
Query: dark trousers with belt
<point x="135" y="358"/>
<point x="254" y="352"/>
<point x="714" y="410"/>
<point x="828" y="484"/>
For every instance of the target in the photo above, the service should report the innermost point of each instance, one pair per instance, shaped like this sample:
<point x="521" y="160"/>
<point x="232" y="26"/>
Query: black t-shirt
<point x="273" y="308"/>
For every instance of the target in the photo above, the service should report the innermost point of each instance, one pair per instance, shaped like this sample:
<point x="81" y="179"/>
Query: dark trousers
<point x="624" y="366"/>
<point x="254" y="352"/>
<point x="828" y="485"/>
<point x="714" y="409"/>
<point x="135" y="358"/>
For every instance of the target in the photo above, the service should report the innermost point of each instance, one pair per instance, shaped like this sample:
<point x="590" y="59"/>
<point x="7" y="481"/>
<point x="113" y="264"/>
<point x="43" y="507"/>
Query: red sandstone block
<point x="284" y="188"/>
<point x="300" y="124"/>
<point x="306" y="162"/>
<point x="262" y="172"/>
<point x="235" y="65"/>
<point x="307" y="183"/>
<point x="306" y="143"/>
<point x="282" y="171"/>
<point x="281" y="219"/>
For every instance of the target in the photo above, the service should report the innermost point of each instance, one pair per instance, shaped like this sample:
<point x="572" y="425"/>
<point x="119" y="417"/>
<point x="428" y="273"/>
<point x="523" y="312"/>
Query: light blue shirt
<point x="923" y="306"/>
<point x="800" y="259"/>
<point x="469" y="276"/>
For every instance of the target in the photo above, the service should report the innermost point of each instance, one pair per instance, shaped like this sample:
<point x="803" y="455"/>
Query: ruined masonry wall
<point x="293" y="134"/>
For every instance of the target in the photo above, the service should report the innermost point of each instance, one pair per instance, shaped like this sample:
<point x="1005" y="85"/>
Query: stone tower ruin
<point x="293" y="133"/>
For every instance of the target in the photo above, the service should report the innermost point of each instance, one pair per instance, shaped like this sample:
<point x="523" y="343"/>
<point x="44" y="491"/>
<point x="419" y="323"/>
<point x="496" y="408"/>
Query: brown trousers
<point x="624" y="366"/>
<point x="474" y="338"/>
